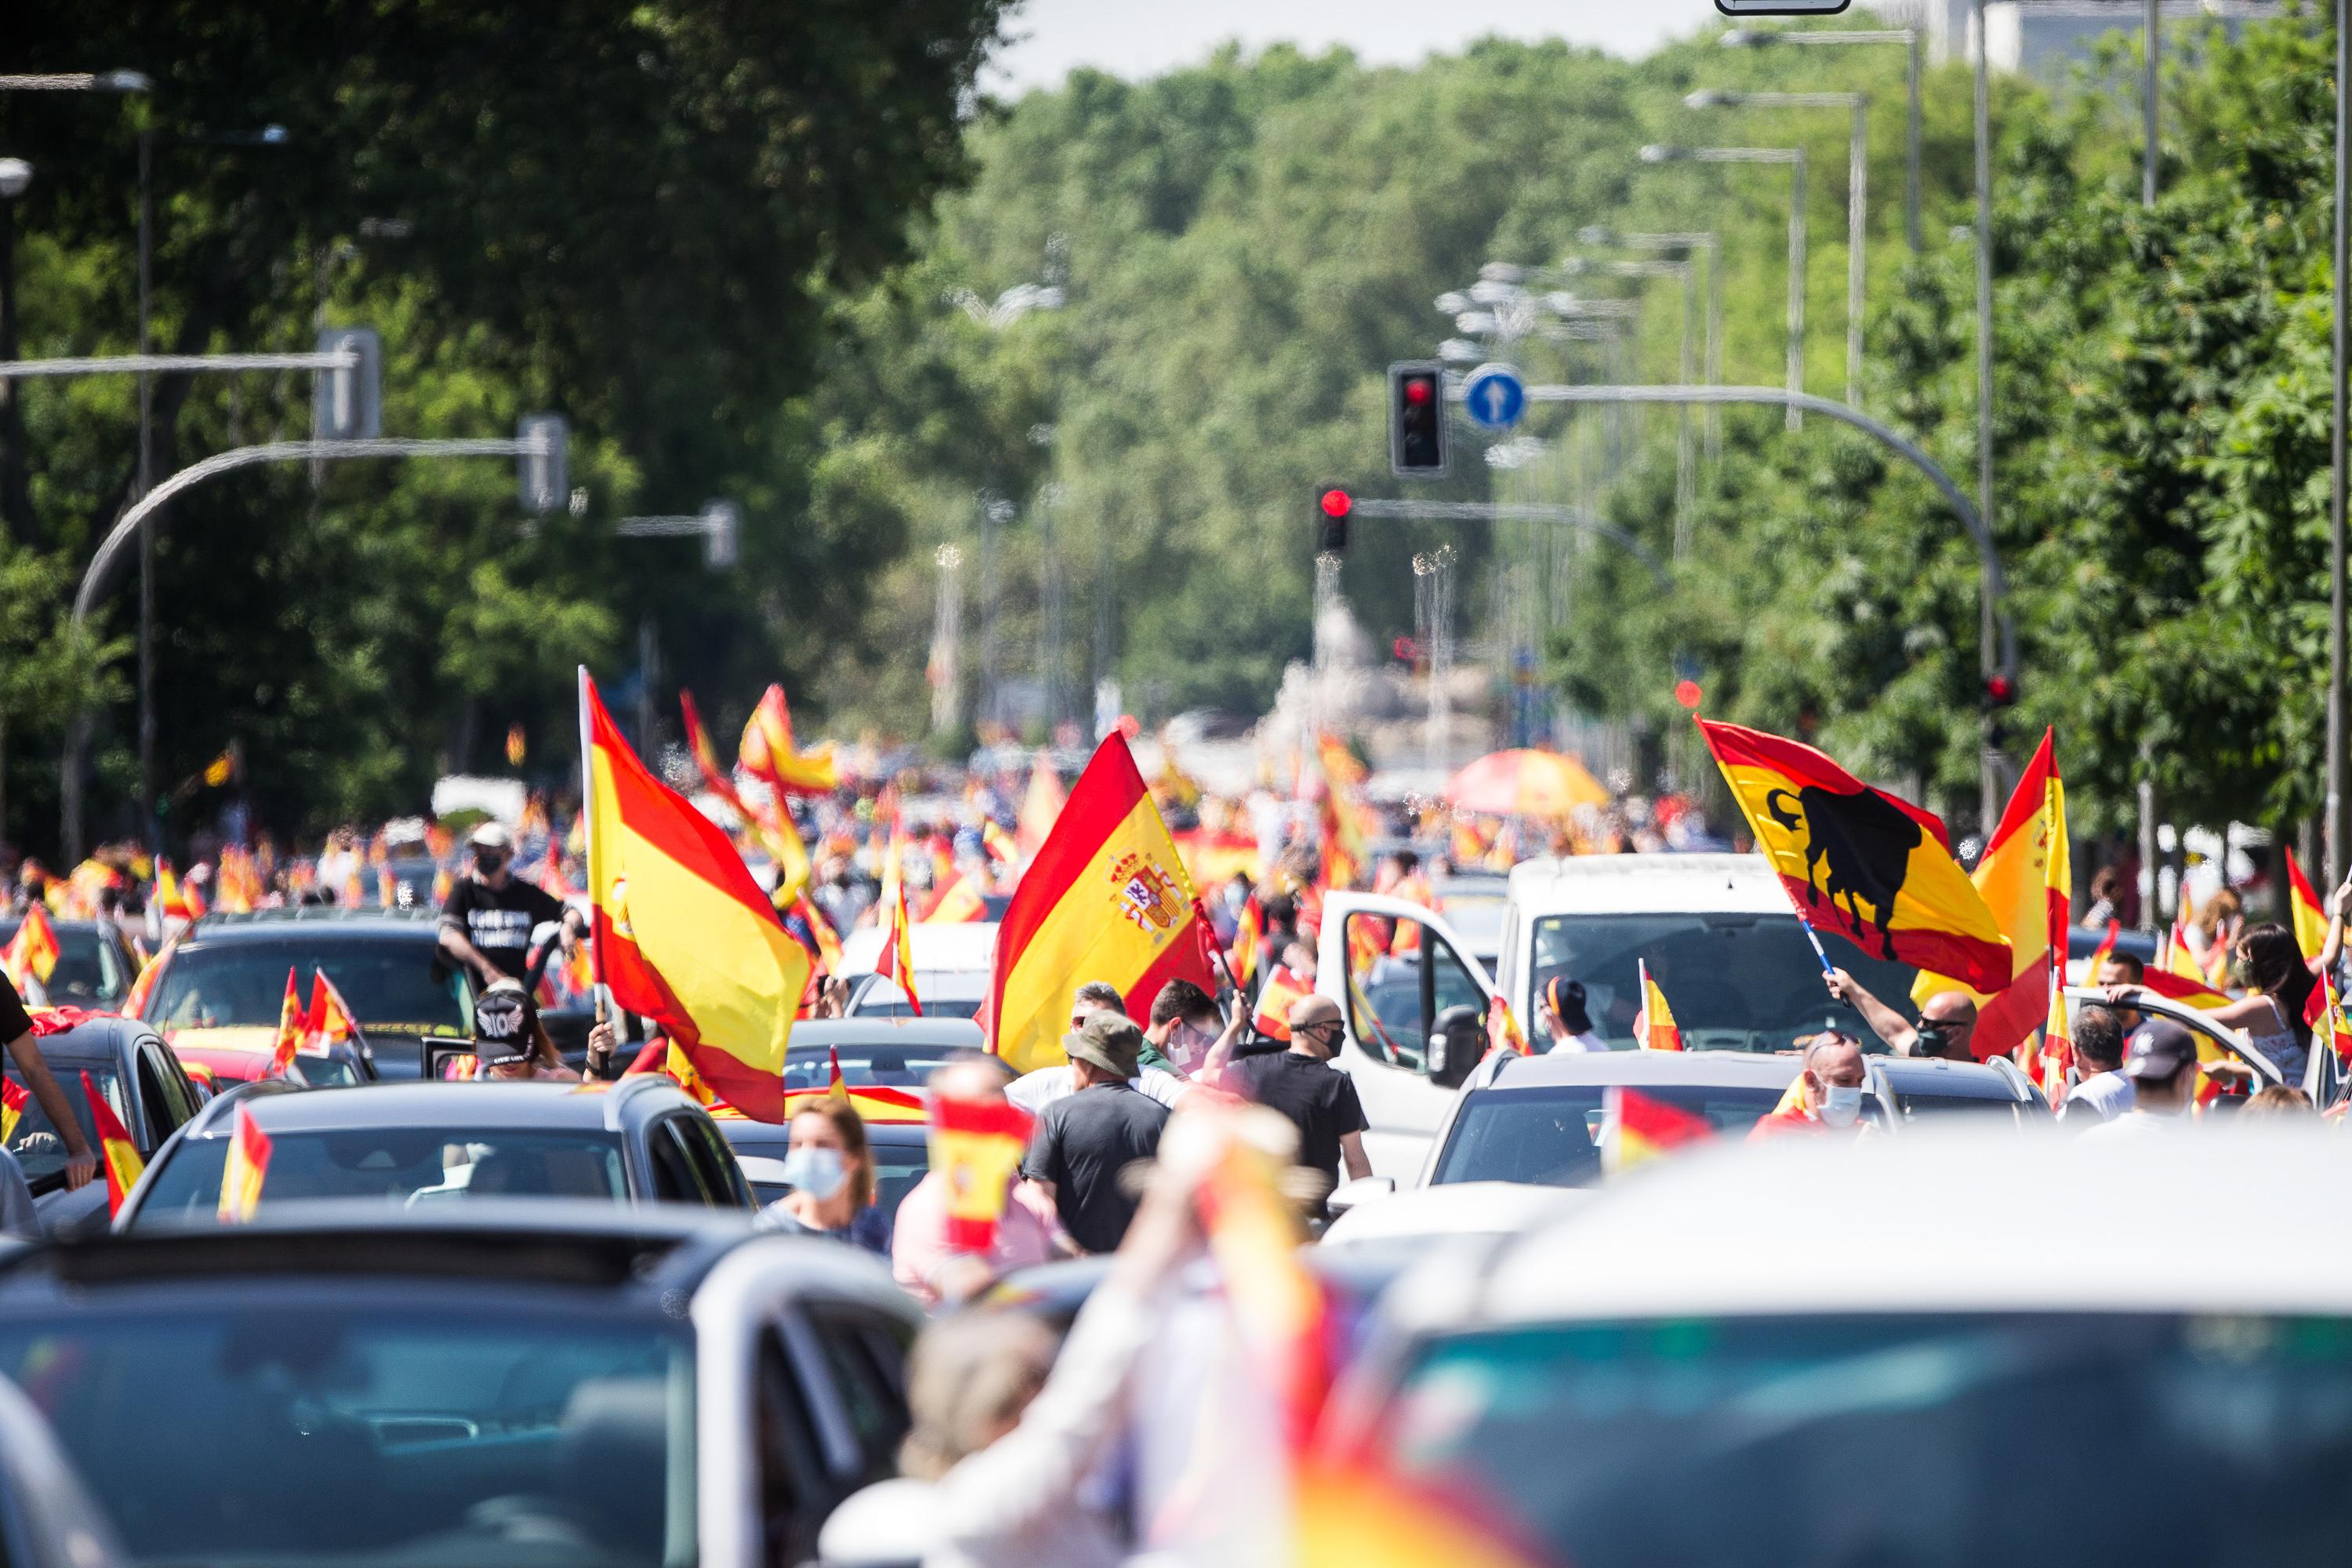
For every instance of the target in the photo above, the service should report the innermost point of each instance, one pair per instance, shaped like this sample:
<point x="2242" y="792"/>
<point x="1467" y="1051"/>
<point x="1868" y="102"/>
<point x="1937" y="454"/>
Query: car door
<point x="678" y="1177"/>
<point x="1394" y="967"/>
<point x="166" y="1098"/>
<point x="714" y="1161"/>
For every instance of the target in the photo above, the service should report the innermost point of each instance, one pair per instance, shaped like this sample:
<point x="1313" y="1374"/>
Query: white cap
<point x="490" y="836"/>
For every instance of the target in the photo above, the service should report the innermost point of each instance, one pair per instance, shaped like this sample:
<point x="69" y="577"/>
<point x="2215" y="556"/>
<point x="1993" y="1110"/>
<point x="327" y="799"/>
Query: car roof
<point x="1936" y="1075"/>
<point x="99" y="1039"/>
<point x="1450" y="1208"/>
<point x="1709" y="1233"/>
<point x="316" y="920"/>
<point x="876" y="1029"/>
<point x="458" y="1107"/>
<point x="1732" y="1070"/>
<point x="1648" y="884"/>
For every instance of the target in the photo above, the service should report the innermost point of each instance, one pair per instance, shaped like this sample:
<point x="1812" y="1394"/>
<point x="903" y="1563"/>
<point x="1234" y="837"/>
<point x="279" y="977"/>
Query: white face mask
<point x="1841" y="1104"/>
<point x="815" y="1170"/>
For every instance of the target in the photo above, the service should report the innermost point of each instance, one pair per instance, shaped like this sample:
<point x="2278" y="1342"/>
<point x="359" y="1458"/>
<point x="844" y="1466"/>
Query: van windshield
<point x="1734" y="981"/>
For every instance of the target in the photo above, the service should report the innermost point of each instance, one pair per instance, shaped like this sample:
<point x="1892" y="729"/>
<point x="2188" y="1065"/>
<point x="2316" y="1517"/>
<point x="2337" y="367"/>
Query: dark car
<point x="95" y="968"/>
<point x="492" y="1385"/>
<point x="416" y="1146"/>
<point x="141" y="1080"/>
<point x="1931" y="1087"/>
<point x="47" y="1517"/>
<point x="222" y="982"/>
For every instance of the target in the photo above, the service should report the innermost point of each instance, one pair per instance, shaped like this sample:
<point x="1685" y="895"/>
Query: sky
<point x="1146" y="38"/>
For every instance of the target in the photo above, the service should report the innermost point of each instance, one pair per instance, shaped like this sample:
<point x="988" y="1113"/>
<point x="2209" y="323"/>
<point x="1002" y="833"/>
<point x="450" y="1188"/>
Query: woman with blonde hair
<point x="829" y="1165"/>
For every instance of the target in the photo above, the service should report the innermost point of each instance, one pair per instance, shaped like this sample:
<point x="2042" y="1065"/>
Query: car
<point x="1455" y="1209"/>
<point x="2323" y="1076"/>
<point x="1735" y="1360"/>
<point x="1923" y="1087"/>
<point x="426" y="1145"/>
<point x="48" y="1519"/>
<point x="493" y="1385"/>
<point x="217" y="1058"/>
<point x="143" y="1083"/>
<point x="952" y="969"/>
<point x="95" y="967"/>
<point x="222" y="982"/>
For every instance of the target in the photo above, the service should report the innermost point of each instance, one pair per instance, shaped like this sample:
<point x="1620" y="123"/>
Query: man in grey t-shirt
<point x="2105" y="1092"/>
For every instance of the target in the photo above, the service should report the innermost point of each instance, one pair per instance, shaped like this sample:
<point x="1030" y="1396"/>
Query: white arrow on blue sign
<point x="1495" y="396"/>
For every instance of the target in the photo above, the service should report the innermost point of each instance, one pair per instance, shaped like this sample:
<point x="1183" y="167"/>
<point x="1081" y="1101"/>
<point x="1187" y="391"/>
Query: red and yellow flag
<point x="32" y="953"/>
<point x="828" y="944"/>
<point x="293" y="1023"/>
<point x="1637" y="1127"/>
<point x="1870" y="865"/>
<point x="14" y="1097"/>
<point x="1042" y="808"/>
<point x="1282" y="991"/>
<point x="116" y="1151"/>
<point x="770" y="821"/>
<point x="2310" y="916"/>
<point x="872" y="1101"/>
<point x="976" y="1145"/>
<point x="2026" y="878"/>
<point x="959" y="903"/>
<point x="1248" y="932"/>
<point x="768" y="751"/>
<point x="999" y="844"/>
<point x="2055" y="1062"/>
<point x="683" y="933"/>
<point x="896" y="961"/>
<point x="242" y="1171"/>
<point x="1279" y="1309"/>
<point x="1503" y="1031"/>
<point x="2180" y="978"/>
<point x="329" y="1022"/>
<point x="1106" y="898"/>
<point x="1654" y="1028"/>
<point x="2334" y="1027"/>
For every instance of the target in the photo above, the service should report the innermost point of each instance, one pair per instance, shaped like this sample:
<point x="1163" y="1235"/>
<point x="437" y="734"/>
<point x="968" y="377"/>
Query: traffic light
<point x="1417" y="419"/>
<point x="543" y="477"/>
<point x="347" y="405"/>
<point x="1332" y="506"/>
<point x="2000" y="691"/>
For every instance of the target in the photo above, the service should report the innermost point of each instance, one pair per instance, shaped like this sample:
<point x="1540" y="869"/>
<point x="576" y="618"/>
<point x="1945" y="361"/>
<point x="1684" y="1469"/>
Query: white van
<point x="1716" y="930"/>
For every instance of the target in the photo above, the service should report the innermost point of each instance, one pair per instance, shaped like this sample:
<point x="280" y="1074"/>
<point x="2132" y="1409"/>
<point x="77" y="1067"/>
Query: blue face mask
<point x="817" y="1172"/>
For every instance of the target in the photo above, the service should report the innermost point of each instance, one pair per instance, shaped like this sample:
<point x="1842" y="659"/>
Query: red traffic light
<point x="1406" y="649"/>
<point x="1418" y="389"/>
<point x="2000" y="690"/>
<point x="1688" y="694"/>
<point x="1337" y="503"/>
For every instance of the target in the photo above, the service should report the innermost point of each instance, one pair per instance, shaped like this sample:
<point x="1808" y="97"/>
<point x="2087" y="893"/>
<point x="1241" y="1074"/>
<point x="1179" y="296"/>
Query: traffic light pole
<point x="1515" y="511"/>
<point x="1996" y="635"/>
<point x="127" y="527"/>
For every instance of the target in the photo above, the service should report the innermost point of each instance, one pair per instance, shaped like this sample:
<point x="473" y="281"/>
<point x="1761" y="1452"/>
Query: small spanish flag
<point x="329" y="1023"/>
<point x="2337" y="1031"/>
<point x="116" y="1151"/>
<point x="2177" y="976"/>
<point x="1503" y="1031"/>
<point x="242" y="1171"/>
<point x="293" y="1021"/>
<point x="872" y="1101"/>
<point x="976" y="1146"/>
<point x="998" y="843"/>
<point x="2055" y="1062"/>
<point x="769" y="753"/>
<point x="1041" y="808"/>
<point x="959" y="903"/>
<point x="1282" y="991"/>
<point x="13" y="1100"/>
<point x="1654" y="1027"/>
<point x="32" y="953"/>
<point x="2310" y="915"/>
<point x="896" y="963"/>
<point x="1248" y="932"/>
<point x="1638" y="1126"/>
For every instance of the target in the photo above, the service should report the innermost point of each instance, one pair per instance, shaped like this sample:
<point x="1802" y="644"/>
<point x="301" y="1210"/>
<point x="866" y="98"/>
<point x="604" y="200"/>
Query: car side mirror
<point x="1456" y="1043"/>
<point x="1363" y="1190"/>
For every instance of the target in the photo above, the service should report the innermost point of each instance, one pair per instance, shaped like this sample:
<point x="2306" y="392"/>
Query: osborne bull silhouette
<point x="1862" y="844"/>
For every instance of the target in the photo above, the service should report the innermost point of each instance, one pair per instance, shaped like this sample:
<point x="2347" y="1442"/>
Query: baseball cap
<point x="490" y="836"/>
<point x="1107" y="1040"/>
<point x="504" y="1022"/>
<point x="2158" y="1049"/>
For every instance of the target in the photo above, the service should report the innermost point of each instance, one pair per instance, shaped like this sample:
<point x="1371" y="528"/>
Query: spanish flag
<point x="1503" y="1031"/>
<point x="2027" y="881"/>
<point x="1637" y="1127"/>
<point x="329" y="1023"/>
<point x="14" y="1097"/>
<point x="242" y="1173"/>
<point x="821" y="932"/>
<point x="32" y="953"/>
<point x="2334" y="1029"/>
<point x="959" y="903"/>
<point x="771" y="822"/>
<point x="1106" y="898"/>
<point x="976" y="1146"/>
<point x="1282" y="991"/>
<point x="2310" y="916"/>
<point x="1042" y="808"/>
<point x="1654" y="1028"/>
<point x="998" y="843"/>
<point x="116" y="1151"/>
<point x="293" y="1023"/>
<point x="896" y="961"/>
<point x="2055" y="1062"/>
<point x="1248" y="932"/>
<point x="768" y="751"/>
<point x="2179" y="977"/>
<point x="872" y="1101"/>
<point x="1870" y="865"/>
<point x="684" y="935"/>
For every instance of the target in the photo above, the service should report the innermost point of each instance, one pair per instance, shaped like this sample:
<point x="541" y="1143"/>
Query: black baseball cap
<point x="2158" y="1049"/>
<point x="505" y="1023"/>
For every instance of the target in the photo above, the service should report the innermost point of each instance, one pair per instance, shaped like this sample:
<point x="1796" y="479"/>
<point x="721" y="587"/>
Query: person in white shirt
<point x="1034" y="1091"/>
<point x="1562" y="1012"/>
<point x="2104" y="1093"/>
<point x="2161" y="1064"/>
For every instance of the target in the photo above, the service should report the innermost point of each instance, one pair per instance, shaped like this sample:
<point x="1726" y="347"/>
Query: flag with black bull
<point x="1868" y="865"/>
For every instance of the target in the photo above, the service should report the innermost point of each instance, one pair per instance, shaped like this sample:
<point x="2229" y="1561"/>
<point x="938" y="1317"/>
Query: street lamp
<point x="77" y="81"/>
<point x="1711" y="358"/>
<point x="1685" y="466"/>
<point x="1909" y="38"/>
<point x="1857" y="197"/>
<point x="15" y="175"/>
<point x="1795" y="158"/>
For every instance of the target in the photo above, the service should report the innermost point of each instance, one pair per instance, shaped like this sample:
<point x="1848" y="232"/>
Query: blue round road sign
<point x="1495" y="396"/>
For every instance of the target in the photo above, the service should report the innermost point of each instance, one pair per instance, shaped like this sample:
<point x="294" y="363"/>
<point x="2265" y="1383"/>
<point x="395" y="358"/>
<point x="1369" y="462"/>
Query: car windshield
<point x="1734" y="981"/>
<point x="400" y="1167"/>
<point x="330" y="1435"/>
<point x="1952" y="1099"/>
<point x="952" y="994"/>
<point x="88" y="974"/>
<point x="901" y="1066"/>
<point x="1903" y="1439"/>
<point x="395" y="983"/>
<point x="34" y="1137"/>
<point x="1551" y="1137"/>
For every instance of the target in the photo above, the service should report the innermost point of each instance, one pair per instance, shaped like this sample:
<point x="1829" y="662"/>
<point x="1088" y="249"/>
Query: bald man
<point x="1302" y="1084"/>
<point x="1832" y="1097"/>
<point x="1945" y="1024"/>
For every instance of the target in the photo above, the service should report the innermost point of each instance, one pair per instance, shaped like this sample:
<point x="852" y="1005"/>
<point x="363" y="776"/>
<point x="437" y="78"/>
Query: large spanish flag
<point x="2027" y="880"/>
<point x="683" y="933"/>
<point x="1868" y="865"/>
<point x="1106" y="898"/>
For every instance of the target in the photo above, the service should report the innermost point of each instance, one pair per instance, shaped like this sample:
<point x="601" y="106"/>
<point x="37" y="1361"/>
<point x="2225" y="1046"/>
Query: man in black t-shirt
<point x="21" y="1047"/>
<point x="1086" y="1138"/>
<point x="486" y="922"/>
<point x="1302" y="1084"/>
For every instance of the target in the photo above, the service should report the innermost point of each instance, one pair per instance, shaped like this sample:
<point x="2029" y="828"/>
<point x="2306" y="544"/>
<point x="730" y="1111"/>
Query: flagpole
<point x="588" y="838"/>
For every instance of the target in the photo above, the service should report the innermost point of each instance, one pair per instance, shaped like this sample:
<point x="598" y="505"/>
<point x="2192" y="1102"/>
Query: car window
<point x="866" y="1357"/>
<point x="393" y="1167"/>
<point x="34" y="1139"/>
<point x="863" y="1065"/>
<point x="795" y="1492"/>
<point x="675" y="1180"/>
<point x="166" y="1096"/>
<point x="717" y="1161"/>
<point x="1548" y="1137"/>
<point x="1384" y="1000"/>
<point x="88" y="974"/>
<point x="390" y="982"/>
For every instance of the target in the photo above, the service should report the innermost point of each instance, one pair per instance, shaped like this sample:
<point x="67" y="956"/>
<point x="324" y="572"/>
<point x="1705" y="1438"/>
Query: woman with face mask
<point x="831" y="1172"/>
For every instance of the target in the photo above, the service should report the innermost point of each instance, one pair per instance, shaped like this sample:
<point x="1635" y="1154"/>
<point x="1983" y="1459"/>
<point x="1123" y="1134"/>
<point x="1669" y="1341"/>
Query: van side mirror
<point x="1456" y="1043"/>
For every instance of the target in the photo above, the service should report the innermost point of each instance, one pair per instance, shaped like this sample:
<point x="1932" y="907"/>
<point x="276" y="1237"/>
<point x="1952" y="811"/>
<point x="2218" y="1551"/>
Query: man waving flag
<point x="1858" y="862"/>
<point x="683" y="933"/>
<point x="1106" y="898"/>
